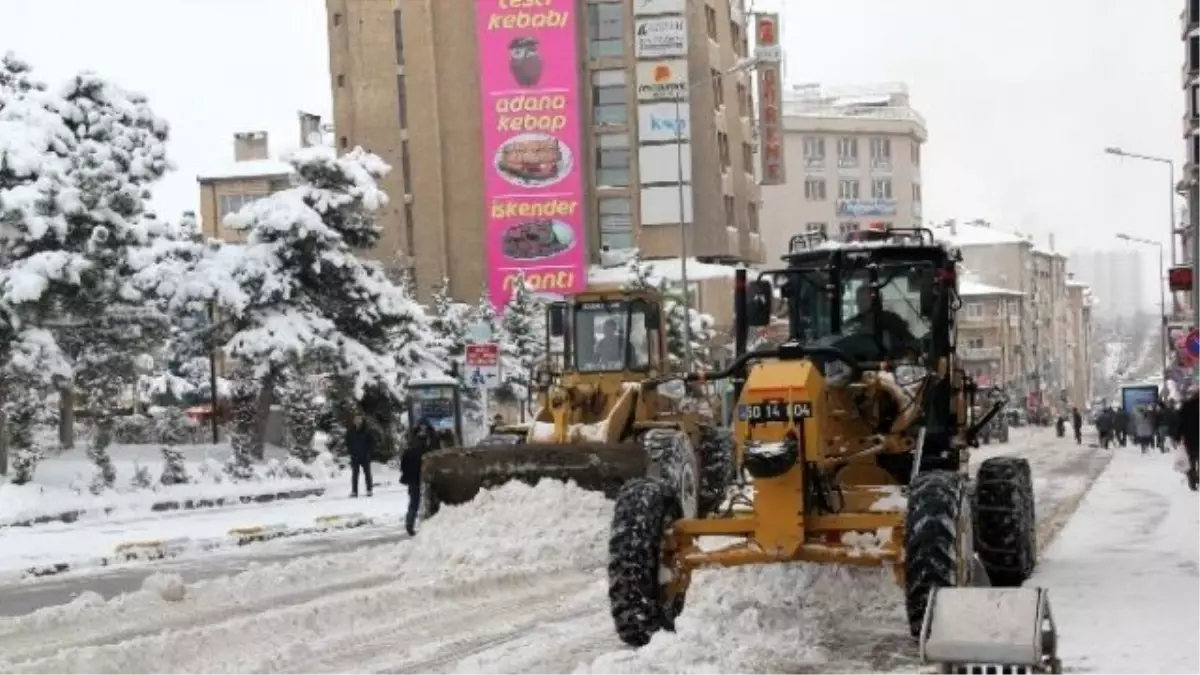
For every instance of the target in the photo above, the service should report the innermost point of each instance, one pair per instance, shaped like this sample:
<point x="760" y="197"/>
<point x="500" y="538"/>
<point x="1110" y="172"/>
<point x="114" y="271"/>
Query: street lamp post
<point x="1171" y="195"/>
<point x="1162" y="297"/>
<point x="743" y="65"/>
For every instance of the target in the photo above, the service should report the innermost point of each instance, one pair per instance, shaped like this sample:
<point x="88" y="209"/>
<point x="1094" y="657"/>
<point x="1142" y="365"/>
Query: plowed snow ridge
<point x="512" y="582"/>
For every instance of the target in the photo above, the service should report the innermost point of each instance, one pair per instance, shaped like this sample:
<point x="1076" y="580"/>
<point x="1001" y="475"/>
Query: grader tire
<point x="1005" y="530"/>
<point x="644" y="511"/>
<point x="931" y="547"/>
<point x="716" y="449"/>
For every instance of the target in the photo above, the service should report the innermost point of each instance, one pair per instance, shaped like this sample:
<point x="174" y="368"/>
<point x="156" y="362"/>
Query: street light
<point x="1170" y="163"/>
<point x="1162" y="297"/>
<point x="743" y="65"/>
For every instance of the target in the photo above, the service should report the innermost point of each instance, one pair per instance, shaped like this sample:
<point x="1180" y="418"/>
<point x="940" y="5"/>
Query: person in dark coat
<point x="424" y="439"/>
<point x="1077" y="425"/>
<point x="360" y="445"/>
<point x="1189" y="421"/>
<point x="1121" y="426"/>
<point x="1104" y="426"/>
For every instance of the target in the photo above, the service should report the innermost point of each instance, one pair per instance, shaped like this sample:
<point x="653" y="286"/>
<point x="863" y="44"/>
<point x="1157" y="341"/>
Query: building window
<point x="743" y="99"/>
<point x="848" y="189"/>
<point x="735" y="32"/>
<point x="612" y="160"/>
<point x="814" y="189"/>
<point x="814" y="152"/>
<point x="975" y="343"/>
<point x="341" y="80"/>
<point x="610" y="98"/>
<point x="881" y="152"/>
<point x="227" y="204"/>
<point x="847" y="152"/>
<point x="710" y="22"/>
<point x="974" y="310"/>
<point x="730" y="213"/>
<point x="881" y="188"/>
<point x="914" y="153"/>
<point x="337" y="18"/>
<point x="752" y="217"/>
<point x="723" y="149"/>
<point x="410" y="228"/>
<point x="848" y="227"/>
<point x="406" y="167"/>
<point x="606" y="30"/>
<point x="616" y="222"/>
<point x="398" y="23"/>
<point x="402" y="100"/>
<point x="816" y="228"/>
<point x="278" y="185"/>
<point x="718" y="86"/>
<point x="747" y="157"/>
<point x="342" y="142"/>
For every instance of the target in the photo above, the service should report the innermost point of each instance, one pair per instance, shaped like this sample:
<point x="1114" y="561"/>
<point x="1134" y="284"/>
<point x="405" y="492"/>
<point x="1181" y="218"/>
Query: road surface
<point x="515" y="583"/>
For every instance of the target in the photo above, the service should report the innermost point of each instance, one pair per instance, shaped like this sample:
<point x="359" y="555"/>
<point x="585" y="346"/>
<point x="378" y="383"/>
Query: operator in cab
<point x="609" y="349"/>
<point x="897" y="339"/>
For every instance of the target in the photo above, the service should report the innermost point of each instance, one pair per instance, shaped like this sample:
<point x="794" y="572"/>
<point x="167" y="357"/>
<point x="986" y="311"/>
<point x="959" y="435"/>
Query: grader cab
<point x="852" y="443"/>
<point x="596" y="425"/>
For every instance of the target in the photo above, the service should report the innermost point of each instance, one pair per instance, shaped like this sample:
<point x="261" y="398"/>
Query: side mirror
<point x="758" y="304"/>
<point x="558" y="320"/>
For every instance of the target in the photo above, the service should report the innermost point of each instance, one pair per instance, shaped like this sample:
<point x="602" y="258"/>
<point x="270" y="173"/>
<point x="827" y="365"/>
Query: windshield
<point x="610" y="336"/>
<point x="899" y="295"/>
<point x="434" y="405"/>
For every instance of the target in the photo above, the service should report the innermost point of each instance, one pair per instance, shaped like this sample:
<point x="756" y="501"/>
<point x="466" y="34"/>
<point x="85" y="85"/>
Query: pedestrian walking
<point x="1077" y="425"/>
<point x="1188" y="430"/>
<point x="360" y="445"/>
<point x="424" y="439"/>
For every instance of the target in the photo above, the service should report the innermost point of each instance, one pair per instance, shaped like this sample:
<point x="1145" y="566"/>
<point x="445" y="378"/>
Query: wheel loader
<point x="852" y="446"/>
<point x="596" y="425"/>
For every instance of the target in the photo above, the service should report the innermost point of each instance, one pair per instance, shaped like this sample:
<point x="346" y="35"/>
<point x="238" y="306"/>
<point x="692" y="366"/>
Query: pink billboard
<point x="533" y="181"/>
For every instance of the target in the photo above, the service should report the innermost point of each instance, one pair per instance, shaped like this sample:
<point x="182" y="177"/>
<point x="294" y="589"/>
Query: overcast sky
<point x="1020" y="97"/>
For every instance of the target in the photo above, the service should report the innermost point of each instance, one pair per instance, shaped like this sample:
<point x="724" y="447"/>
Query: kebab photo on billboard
<point x="533" y="160"/>
<point x="541" y="238"/>
<point x="525" y="61"/>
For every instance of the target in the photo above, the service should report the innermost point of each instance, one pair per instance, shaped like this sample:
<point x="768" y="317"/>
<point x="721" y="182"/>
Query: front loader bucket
<point x="456" y="475"/>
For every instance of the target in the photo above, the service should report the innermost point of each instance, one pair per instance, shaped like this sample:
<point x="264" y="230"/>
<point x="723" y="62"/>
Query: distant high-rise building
<point x="1117" y="278"/>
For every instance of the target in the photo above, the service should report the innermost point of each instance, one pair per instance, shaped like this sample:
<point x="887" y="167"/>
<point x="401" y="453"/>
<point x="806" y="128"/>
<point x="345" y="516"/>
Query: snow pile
<point x="511" y="550"/>
<point x="773" y="619"/>
<point x="169" y="587"/>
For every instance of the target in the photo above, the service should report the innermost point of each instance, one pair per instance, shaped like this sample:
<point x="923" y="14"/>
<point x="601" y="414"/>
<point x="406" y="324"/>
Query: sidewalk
<point x="40" y="551"/>
<point x="1122" y="574"/>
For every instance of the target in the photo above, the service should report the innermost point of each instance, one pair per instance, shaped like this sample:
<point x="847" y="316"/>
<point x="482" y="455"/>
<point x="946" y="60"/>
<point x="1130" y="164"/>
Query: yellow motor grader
<point x="852" y="442"/>
<point x="596" y="425"/>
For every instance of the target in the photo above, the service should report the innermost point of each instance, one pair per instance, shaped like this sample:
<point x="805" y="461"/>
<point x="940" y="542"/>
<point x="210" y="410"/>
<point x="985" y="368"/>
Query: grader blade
<point x="989" y="630"/>
<point x="456" y="475"/>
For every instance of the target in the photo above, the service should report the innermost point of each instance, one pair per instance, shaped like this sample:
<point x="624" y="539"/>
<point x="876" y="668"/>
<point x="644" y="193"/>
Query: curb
<point x="175" y="505"/>
<point x="162" y="549"/>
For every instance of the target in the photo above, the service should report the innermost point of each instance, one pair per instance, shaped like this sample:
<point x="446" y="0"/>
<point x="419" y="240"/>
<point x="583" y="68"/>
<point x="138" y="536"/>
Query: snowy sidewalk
<point x="1122" y="574"/>
<point x="89" y="543"/>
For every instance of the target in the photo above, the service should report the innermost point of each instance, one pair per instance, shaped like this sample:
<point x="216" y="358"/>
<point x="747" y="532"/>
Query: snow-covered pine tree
<point x="36" y="199"/>
<point x="105" y="325"/>
<point x="296" y="286"/>
<point x="448" y="321"/>
<point x="25" y="462"/>
<point x="524" y="323"/>
<point x="302" y="409"/>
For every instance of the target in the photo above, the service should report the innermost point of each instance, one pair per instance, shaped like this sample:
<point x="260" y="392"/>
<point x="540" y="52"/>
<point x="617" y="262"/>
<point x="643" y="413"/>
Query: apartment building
<point x="1117" y="276"/>
<point x="989" y="332"/>
<point x="1189" y="231"/>
<point x="855" y="154"/>
<point x="529" y="136"/>
<point x="253" y="174"/>
<point x="1012" y="261"/>
<point x="1079" y="347"/>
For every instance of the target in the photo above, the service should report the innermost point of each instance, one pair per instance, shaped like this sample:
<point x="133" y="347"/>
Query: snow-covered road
<point x="513" y="582"/>
<point x="1123" y="573"/>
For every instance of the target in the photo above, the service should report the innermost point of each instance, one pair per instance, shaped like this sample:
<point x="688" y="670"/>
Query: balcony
<point x="847" y="162"/>
<point x="1187" y="24"/>
<point x="881" y="164"/>
<point x="1190" y="123"/>
<point x="814" y="164"/>
<point x="980" y="354"/>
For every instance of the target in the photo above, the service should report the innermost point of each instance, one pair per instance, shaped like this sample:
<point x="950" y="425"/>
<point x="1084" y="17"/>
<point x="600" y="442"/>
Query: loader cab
<point x="438" y="400"/>
<point x="609" y="334"/>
